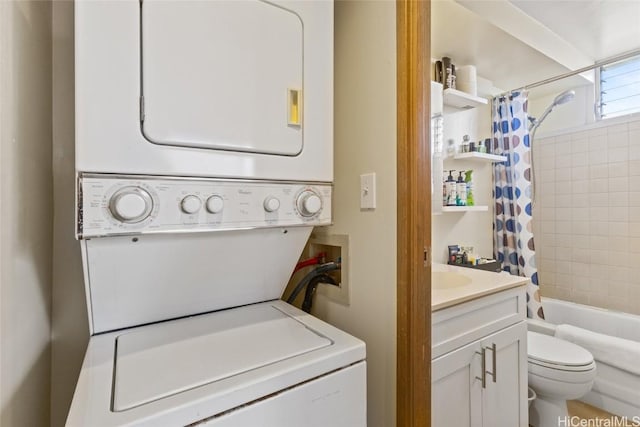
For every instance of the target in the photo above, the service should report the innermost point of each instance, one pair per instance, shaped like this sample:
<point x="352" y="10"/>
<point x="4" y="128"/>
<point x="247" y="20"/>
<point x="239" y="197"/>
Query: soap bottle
<point x="461" y="191"/>
<point x="445" y="194"/>
<point x="469" y="181"/>
<point x="451" y="189"/>
<point x="464" y="147"/>
<point x="481" y="148"/>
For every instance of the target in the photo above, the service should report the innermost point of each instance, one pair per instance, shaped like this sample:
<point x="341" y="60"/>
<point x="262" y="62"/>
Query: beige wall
<point x="365" y="141"/>
<point x="70" y="331"/>
<point x="25" y="212"/>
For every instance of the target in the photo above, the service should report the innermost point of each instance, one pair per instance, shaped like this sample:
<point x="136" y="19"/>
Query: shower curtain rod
<point x="597" y="64"/>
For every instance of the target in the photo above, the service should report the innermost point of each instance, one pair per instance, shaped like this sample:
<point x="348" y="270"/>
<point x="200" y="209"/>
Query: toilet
<point x="558" y="371"/>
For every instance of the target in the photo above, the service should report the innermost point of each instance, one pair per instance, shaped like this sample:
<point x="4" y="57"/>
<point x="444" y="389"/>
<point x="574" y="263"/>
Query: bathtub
<point x="615" y="390"/>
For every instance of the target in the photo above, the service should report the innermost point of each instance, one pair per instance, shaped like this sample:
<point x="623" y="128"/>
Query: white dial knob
<point x="131" y="204"/>
<point x="215" y="204"/>
<point x="309" y="203"/>
<point x="271" y="204"/>
<point x="190" y="204"/>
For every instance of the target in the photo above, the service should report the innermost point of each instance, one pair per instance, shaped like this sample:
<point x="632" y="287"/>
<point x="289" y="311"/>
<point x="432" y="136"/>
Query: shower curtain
<point x="512" y="226"/>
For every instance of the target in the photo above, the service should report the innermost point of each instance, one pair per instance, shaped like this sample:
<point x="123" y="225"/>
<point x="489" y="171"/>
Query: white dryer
<point x="204" y="160"/>
<point x="224" y="88"/>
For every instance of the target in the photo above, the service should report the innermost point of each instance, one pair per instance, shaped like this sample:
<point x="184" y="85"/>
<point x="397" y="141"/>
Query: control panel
<point x="119" y="205"/>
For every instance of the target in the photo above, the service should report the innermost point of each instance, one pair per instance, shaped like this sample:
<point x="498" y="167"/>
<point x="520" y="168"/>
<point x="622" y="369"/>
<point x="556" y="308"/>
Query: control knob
<point x="215" y="204"/>
<point x="271" y="204"/>
<point x="190" y="204"/>
<point x="309" y="203"/>
<point x="131" y="204"/>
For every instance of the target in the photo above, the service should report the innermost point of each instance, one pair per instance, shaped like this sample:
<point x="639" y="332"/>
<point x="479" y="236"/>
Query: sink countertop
<point x="482" y="283"/>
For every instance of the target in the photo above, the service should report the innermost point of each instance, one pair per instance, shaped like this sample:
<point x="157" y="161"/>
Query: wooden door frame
<point x="413" y="376"/>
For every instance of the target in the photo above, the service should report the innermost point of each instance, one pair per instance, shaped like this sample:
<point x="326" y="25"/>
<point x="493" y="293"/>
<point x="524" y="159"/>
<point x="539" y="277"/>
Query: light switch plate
<point x="368" y="191"/>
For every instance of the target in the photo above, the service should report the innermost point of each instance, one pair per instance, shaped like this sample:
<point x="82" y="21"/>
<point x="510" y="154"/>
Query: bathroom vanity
<point x="479" y="348"/>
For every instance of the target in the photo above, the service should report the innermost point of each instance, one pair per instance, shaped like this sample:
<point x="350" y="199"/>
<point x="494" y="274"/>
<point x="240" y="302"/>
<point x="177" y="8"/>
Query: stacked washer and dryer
<point x="204" y="159"/>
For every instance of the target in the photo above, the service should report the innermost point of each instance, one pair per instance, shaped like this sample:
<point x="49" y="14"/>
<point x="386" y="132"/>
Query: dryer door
<point x="222" y="75"/>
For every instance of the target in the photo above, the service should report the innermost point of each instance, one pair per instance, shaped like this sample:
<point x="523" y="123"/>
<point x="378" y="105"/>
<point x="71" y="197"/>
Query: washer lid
<point x="551" y="350"/>
<point x="165" y="359"/>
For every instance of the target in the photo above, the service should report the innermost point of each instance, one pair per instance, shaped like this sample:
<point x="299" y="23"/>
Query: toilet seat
<point x="559" y="360"/>
<point x="555" y="353"/>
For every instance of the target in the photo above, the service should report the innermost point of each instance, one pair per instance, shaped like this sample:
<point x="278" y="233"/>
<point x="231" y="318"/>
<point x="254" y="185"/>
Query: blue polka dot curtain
<point x="513" y="229"/>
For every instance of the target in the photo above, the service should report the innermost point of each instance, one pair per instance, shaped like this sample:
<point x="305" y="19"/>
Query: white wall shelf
<point x="482" y="157"/>
<point x="446" y="209"/>
<point x="462" y="100"/>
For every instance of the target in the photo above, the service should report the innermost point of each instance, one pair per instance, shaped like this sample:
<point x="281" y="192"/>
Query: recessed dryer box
<point x="336" y="246"/>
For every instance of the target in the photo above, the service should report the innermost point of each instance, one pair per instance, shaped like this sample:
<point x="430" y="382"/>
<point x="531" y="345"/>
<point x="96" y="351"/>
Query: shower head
<point x="562" y="98"/>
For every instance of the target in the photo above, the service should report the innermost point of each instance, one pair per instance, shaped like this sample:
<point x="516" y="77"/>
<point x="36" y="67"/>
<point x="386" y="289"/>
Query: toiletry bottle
<point x="487" y="145"/>
<point x="451" y="189"/>
<point x="451" y="148"/>
<point x="461" y="191"/>
<point x="445" y="195"/>
<point x="464" y="148"/>
<point x="481" y="148"/>
<point x="469" y="181"/>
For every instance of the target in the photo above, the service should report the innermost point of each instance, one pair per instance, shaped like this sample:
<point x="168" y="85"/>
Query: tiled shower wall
<point x="587" y="215"/>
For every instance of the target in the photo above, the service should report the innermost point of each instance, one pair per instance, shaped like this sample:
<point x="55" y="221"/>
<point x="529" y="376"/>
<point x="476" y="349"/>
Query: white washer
<point x="185" y="318"/>
<point x="204" y="159"/>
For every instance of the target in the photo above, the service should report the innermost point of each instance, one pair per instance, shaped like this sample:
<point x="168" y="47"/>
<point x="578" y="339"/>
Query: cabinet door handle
<point x="494" y="363"/>
<point x="484" y="367"/>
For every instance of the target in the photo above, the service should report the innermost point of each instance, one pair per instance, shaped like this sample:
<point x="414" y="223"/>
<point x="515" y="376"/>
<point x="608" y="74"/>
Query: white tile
<point x="599" y="199"/>
<point x="564" y="188"/>
<point x="634" y="185"/>
<point x="634" y="136"/>
<point x="634" y="245"/>
<point x="563" y="254"/>
<point x="563" y="214"/>
<point x="598" y="157"/>
<point x="563" y="231"/>
<point x="618" y="259"/>
<point x="580" y="186"/>
<point x="618" y="289"/>
<point x="563" y="200"/>
<point x="579" y="200"/>
<point x="599" y="185"/>
<point x="546" y="214"/>
<point x="599" y="243"/>
<point x="548" y="150"/>
<point x="546" y="163"/>
<point x="617" y="128"/>
<point x="579" y="213"/>
<point x="563" y="267"/>
<point x="597" y="213"/>
<point x="579" y="135"/>
<point x="598" y="257"/>
<point x="580" y="262"/>
<point x="599" y="171"/>
<point x="618" y="228"/>
<point x="619" y="243"/>
<point x="580" y="227"/>
<point x="599" y="271"/>
<point x="634" y="213"/>
<point x="563" y="148"/>
<point x="618" y="169"/>
<point x="581" y="242"/>
<point x="616" y="140"/>
<point x="580" y="159"/>
<point x="563" y="161"/>
<point x="548" y="175"/>
<point x="618" y="184"/>
<point x="565" y="137"/>
<point x="634" y="167"/>
<point x="563" y="281"/>
<point x="634" y="125"/>
<point x="619" y="273"/>
<point x="550" y="239"/>
<point x="618" y="154"/>
<point x="580" y="145"/>
<point x="619" y="199"/>
<point x="634" y="198"/>
<point x="598" y="143"/>
<point x="548" y="227"/>
<point x="634" y="228"/>
<point x="599" y="228"/>
<point x="634" y="150"/>
<point x="563" y="174"/>
<point x="579" y="173"/>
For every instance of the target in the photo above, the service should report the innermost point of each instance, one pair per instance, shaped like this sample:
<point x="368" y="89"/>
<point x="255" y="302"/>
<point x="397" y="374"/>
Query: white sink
<point x="448" y="280"/>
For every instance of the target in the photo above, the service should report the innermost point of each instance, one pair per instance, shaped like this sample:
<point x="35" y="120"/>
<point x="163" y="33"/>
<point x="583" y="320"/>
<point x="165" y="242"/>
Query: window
<point x="619" y="88"/>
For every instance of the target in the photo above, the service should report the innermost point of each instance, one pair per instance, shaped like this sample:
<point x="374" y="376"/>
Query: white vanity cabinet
<point x="479" y="365"/>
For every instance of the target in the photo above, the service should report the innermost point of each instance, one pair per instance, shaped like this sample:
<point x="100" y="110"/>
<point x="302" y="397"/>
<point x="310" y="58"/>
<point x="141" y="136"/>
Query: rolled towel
<point x="619" y="352"/>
